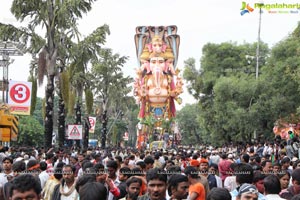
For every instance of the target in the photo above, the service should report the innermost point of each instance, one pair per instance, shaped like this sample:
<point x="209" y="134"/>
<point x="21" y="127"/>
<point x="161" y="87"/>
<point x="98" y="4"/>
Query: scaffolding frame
<point x="8" y="49"/>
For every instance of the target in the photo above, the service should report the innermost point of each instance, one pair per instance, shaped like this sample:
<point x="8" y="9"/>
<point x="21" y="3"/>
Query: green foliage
<point x="64" y="86"/>
<point x="44" y="108"/>
<point x="235" y="115"/>
<point x="149" y="121"/>
<point x="71" y="103"/>
<point x="30" y="131"/>
<point x="189" y="126"/>
<point x="88" y="101"/>
<point x="233" y="105"/>
<point x="229" y="96"/>
<point x="108" y="81"/>
<point x="38" y="112"/>
<point x="118" y="130"/>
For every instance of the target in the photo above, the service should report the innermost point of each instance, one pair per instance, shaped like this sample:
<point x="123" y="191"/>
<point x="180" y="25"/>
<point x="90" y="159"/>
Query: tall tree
<point x="189" y="125"/>
<point x="109" y="83"/>
<point x="54" y="16"/>
<point x="81" y="55"/>
<point x="282" y="75"/>
<point x="226" y="89"/>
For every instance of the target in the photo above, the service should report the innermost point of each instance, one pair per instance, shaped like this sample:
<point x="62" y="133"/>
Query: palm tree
<point x="81" y="54"/>
<point x="55" y="16"/>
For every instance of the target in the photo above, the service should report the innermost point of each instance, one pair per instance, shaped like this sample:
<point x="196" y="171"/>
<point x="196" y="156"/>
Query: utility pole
<point x="258" y="41"/>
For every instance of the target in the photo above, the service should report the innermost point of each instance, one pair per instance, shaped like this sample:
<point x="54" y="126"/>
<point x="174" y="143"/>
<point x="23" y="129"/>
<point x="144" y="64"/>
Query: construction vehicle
<point x="8" y="125"/>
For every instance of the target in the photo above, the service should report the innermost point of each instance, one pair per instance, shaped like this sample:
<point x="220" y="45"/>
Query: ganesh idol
<point x="157" y="84"/>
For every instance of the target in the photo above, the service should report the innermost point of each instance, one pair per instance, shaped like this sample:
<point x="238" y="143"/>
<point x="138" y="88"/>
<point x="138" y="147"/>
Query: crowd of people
<point x="259" y="170"/>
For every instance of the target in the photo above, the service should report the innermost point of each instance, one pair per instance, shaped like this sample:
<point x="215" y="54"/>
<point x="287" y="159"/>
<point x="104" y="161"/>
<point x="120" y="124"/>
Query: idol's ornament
<point x="157" y="83"/>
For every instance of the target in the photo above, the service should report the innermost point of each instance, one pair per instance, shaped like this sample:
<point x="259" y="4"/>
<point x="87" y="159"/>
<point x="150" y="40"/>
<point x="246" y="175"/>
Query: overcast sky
<point x="198" y="22"/>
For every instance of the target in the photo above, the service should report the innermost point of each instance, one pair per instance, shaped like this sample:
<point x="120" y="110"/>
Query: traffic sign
<point x="125" y="137"/>
<point x="19" y="98"/>
<point x="92" y="121"/>
<point x="75" y="132"/>
<point x="19" y="93"/>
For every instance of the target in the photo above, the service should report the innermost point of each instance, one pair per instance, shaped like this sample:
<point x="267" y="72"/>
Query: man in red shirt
<point x="224" y="167"/>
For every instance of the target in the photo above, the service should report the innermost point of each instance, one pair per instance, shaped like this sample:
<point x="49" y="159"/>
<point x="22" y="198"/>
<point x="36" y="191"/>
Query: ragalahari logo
<point x="246" y="8"/>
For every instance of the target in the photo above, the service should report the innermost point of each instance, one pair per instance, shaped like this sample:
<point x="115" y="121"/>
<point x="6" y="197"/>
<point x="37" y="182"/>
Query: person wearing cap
<point x="295" y="188"/>
<point x="204" y="174"/>
<point x="294" y="159"/>
<point x="247" y="192"/>
<point x="230" y="157"/>
<point x="194" y="162"/>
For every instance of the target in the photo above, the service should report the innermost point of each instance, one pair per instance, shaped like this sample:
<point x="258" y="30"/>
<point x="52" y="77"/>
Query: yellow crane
<point x="8" y="125"/>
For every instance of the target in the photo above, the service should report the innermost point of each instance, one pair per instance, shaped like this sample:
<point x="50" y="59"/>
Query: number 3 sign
<point x="19" y="97"/>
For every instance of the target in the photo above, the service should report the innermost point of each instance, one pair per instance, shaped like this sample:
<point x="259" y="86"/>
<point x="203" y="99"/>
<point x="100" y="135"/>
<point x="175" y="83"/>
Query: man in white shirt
<point x="43" y="176"/>
<point x="113" y="178"/>
<point x="7" y="173"/>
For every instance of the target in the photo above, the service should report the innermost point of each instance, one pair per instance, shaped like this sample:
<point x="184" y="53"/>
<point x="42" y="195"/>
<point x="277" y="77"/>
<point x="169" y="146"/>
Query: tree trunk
<point x="104" y="128"/>
<point x="78" y="118"/>
<point x="49" y="111"/>
<point x="197" y="136"/>
<point x="61" y="120"/>
<point x="87" y="127"/>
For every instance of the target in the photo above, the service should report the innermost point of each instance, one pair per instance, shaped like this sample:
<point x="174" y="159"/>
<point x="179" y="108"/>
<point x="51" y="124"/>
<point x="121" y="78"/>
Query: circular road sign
<point x="19" y="93"/>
